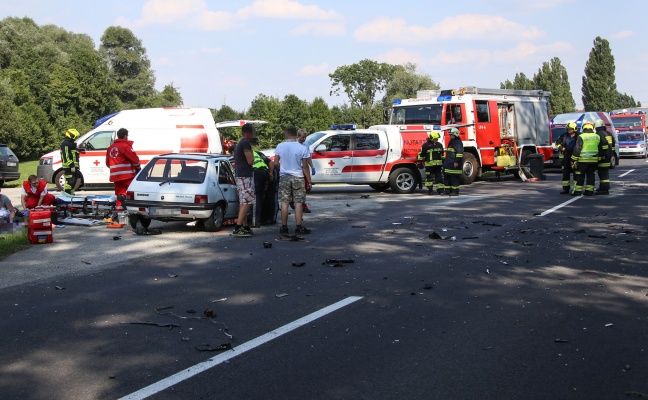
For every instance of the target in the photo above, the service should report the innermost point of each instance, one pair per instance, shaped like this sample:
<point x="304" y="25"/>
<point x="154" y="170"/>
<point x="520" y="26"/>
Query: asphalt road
<point x="524" y="303"/>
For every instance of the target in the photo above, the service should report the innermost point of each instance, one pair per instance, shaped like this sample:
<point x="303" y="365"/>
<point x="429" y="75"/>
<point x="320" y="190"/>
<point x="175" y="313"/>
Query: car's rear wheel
<point x="215" y="222"/>
<point x="59" y="179"/>
<point x="133" y="219"/>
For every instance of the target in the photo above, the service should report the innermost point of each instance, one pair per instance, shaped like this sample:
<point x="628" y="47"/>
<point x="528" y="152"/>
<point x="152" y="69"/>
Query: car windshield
<point x="5" y="151"/>
<point x="313" y="137"/>
<point x="418" y="114"/>
<point x="170" y="170"/>
<point x="631" y="136"/>
<point x="627" y="122"/>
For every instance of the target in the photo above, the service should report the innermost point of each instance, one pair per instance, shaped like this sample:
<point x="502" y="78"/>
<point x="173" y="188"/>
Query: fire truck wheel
<point x="470" y="169"/>
<point x="215" y="222"/>
<point x="380" y="187"/>
<point x="59" y="179"/>
<point x="402" y="181"/>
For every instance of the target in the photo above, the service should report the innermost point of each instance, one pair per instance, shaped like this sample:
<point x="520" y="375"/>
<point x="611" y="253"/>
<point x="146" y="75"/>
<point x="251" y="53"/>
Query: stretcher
<point x="93" y="207"/>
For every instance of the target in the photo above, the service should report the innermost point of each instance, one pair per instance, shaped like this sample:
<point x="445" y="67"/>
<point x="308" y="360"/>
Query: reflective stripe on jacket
<point x="69" y="154"/>
<point x="454" y="154"/>
<point x="122" y="160"/>
<point x="432" y="153"/>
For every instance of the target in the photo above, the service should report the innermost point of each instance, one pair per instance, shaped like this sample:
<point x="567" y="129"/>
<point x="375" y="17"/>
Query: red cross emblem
<point x="96" y="163"/>
<point x="331" y="163"/>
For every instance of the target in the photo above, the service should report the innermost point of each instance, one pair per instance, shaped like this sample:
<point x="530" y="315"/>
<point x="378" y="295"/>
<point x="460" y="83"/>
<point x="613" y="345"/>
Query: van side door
<point x="92" y="156"/>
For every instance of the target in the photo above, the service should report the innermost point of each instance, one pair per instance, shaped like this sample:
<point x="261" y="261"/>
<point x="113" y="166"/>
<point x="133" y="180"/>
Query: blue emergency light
<point x="398" y="101"/>
<point x="344" y="127"/>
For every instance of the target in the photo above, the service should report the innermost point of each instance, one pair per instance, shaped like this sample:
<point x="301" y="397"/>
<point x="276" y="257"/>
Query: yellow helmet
<point x="571" y="125"/>
<point x="72" y="134"/>
<point x="588" y="126"/>
<point x="434" y="135"/>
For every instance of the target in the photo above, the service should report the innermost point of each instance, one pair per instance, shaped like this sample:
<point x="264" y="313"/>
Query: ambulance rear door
<point x="332" y="158"/>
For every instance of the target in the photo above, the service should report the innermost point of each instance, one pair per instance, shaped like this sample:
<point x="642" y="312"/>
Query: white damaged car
<point x="184" y="187"/>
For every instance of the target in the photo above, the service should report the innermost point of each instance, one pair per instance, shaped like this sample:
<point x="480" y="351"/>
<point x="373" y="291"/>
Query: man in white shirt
<point x="292" y="159"/>
<point x="301" y="138"/>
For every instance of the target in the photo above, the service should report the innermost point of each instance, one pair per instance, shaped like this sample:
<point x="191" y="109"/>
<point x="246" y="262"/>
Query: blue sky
<point x="227" y="52"/>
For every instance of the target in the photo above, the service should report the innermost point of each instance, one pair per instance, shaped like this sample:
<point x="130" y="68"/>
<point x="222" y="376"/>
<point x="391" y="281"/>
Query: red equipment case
<point x="40" y="226"/>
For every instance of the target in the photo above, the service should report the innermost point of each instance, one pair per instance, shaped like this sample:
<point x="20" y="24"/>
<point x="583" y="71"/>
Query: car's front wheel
<point x="59" y="179"/>
<point x="215" y="222"/>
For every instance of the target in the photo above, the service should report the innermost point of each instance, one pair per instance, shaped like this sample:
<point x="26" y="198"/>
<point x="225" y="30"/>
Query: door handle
<point x="346" y="157"/>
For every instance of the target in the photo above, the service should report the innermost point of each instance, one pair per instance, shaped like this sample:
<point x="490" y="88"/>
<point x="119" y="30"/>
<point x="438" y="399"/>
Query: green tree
<point x="294" y="111"/>
<point x="319" y="116"/>
<point x="626" y="101"/>
<point x="520" y="82"/>
<point x="405" y="82"/>
<point x="227" y="113"/>
<point x="267" y="108"/>
<point x="362" y="82"/>
<point x="552" y="76"/>
<point x="599" y="87"/>
<point x="129" y="65"/>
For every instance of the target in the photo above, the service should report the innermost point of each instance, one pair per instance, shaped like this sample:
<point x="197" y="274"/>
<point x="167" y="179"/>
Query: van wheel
<point x="402" y="181"/>
<point x="380" y="187"/>
<point x="613" y="161"/>
<point x="59" y="180"/>
<point x="215" y="222"/>
<point x="470" y="169"/>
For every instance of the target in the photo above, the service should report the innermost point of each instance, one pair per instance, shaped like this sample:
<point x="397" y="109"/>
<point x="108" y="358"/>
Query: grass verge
<point x="13" y="242"/>
<point x="26" y="168"/>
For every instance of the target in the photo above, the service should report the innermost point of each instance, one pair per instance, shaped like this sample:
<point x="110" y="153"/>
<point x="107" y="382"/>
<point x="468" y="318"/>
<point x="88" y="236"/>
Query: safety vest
<point x="69" y="154"/>
<point x="258" y="162"/>
<point x="39" y="188"/>
<point x="589" y="151"/>
<point x="431" y="153"/>
<point x="122" y="160"/>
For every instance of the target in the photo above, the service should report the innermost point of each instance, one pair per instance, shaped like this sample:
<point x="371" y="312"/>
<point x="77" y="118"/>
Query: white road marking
<point x="237" y="351"/>
<point x="559" y="206"/>
<point x="626" y="173"/>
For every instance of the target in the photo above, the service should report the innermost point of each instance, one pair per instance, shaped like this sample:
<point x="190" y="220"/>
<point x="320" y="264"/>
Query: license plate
<point x="11" y="164"/>
<point x="163" y="211"/>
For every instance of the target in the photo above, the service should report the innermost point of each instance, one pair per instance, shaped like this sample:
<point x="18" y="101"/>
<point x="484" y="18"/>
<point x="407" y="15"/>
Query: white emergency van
<point x="154" y="131"/>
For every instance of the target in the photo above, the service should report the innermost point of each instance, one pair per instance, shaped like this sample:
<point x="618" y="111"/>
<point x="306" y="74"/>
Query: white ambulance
<point x="154" y="131"/>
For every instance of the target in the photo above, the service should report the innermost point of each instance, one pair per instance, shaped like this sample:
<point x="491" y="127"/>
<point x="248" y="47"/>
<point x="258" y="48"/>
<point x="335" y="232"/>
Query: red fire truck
<point x="500" y="128"/>
<point x="624" y="120"/>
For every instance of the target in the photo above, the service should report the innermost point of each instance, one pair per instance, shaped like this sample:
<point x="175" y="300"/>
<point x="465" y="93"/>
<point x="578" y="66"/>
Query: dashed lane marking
<point x="558" y="207"/>
<point x="625" y="173"/>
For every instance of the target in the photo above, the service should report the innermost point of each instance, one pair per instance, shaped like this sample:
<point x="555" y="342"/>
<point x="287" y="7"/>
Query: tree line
<point x="52" y="79"/>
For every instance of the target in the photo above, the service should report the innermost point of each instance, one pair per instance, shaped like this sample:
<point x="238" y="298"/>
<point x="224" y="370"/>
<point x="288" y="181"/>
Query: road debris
<point x="436" y="236"/>
<point x="560" y="341"/>
<point x="339" y="260"/>
<point x="59" y="288"/>
<point x="173" y="275"/>
<point x="219" y="300"/>
<point x="364" y="196"/>
<point x="358" y="226"/>
<point x="157" y="311"/>
<point x="298" y="264"/>
<point x="116" y="237"/>
<point x="280" y="295"/>
<point x="608" y="325"/>
<point x="209" y="313"/>
<point x="267" y="245"/>
<point x="163" y="325"/>
<point x="208" y="347"/>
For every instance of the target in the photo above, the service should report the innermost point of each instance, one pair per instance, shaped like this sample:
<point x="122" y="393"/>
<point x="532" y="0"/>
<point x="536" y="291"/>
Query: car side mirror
<point x="81" y="148"/>
<point x="321" y="147"/>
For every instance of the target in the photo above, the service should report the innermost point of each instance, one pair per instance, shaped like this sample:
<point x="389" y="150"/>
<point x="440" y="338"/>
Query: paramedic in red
<point x="123" y="163"/>
<point x="34" y="193"/>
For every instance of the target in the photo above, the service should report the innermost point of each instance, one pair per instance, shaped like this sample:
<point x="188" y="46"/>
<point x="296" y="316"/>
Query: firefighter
<point x="585" y="159"/>
<point x="432" y="155"/>
<point x="70" y="160"/>
<point x="452" y="164"/>
<point x="603" y="166"/>
<point x="124" y="164"/>
<point x="565" y="145"/>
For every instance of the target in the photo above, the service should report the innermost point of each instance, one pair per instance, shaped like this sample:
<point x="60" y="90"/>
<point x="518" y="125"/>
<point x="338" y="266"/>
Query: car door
<point x="227" y="187"/>
<point x="369" y="157"/>
<point x="332" y="158"/>
<point x="92" y="156"/>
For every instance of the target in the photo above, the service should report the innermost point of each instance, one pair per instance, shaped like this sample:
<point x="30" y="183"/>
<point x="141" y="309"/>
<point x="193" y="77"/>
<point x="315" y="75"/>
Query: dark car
<point x="8" y="165"/>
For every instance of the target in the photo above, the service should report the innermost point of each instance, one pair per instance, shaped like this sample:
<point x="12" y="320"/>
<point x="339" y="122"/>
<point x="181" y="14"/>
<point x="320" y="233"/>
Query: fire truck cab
<point x="500" y="128"/>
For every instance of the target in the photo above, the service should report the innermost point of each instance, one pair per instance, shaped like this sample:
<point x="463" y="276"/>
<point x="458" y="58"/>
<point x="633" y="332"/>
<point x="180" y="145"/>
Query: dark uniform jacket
<point x="454" y="153"/>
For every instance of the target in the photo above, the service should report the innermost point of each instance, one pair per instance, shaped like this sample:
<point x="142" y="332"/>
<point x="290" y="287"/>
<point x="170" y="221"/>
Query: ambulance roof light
<point x="344" y="127"/>
<point x="398" y="101"/>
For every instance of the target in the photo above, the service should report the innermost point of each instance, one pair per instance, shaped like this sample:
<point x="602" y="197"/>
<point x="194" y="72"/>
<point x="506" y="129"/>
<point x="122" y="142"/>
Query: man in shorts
<point x="292" y="159"/>
<point x="243" y="161"/>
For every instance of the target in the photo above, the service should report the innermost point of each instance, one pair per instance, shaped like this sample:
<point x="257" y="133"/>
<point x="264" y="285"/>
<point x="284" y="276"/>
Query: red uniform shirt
<point x="122" y="160"/>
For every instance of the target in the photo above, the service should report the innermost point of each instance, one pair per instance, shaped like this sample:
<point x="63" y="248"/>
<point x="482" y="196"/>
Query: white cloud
<point x="285" y="9"/>
<point x="401" y="56"/>
<point x="526" y="49"/>
<point x="320" y="29"/>
<point x="621" y="35"/>
<point x="162" y="12"/>
<point x="215" y="21"/>
<point x="460" y="27"/>
<point x="315" y="69"/>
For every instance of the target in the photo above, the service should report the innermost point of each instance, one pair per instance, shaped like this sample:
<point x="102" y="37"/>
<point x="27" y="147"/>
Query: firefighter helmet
<point x="599" y="124"/>
<point x="571" y="125"/>
<point x="588" y="126"/>
<point x="72" y="134"/>
<point x="434" y="135"/>
<point x="454" y="132"/>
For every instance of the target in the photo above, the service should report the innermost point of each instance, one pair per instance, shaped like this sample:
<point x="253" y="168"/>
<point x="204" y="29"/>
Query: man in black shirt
<point x="243" y="161"/>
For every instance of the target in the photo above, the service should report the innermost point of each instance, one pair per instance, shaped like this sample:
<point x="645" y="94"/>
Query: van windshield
<point x="417" y="114"/>
<point x="313" y="137"/>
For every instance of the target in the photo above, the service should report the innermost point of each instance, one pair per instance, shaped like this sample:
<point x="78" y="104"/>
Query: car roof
<point x="193" y="156"/>
<point x="592" y="116"/>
